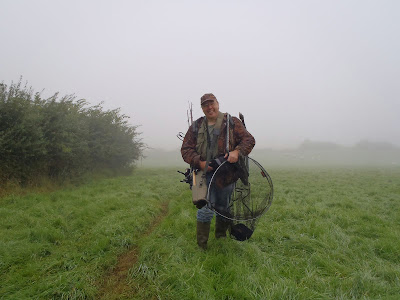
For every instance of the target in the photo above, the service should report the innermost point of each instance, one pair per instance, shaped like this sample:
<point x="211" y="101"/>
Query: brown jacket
<point x="240" y="140"/>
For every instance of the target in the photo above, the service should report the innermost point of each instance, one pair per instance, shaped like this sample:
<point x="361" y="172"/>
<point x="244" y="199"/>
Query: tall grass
<point x="58" y="245"/>
<point x="329" y="234"/>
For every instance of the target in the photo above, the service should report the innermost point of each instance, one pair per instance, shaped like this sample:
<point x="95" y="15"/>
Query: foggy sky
<point x="318" y="70"/>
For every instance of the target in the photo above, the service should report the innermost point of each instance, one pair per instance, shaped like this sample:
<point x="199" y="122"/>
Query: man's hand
<point x="203" y="166"/>
<point x="233" y="156"/>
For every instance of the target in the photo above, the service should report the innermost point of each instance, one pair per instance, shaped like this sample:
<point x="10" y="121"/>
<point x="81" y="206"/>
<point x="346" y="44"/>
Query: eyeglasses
<point x="208" y="103"/>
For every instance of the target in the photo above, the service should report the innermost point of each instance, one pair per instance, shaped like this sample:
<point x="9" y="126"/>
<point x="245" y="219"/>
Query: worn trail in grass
<point x="114" y="284"/>
<point x="329" y="234"/>
<point x="61" y="244"/>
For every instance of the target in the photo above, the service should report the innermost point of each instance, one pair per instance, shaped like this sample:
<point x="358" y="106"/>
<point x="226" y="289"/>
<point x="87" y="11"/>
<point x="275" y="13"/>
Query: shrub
<point x="60" y="137"/>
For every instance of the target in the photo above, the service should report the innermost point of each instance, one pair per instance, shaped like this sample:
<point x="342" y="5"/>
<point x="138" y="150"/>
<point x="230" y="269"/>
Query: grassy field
<point x="58" y="245"/>
<point x="329" y="234"/>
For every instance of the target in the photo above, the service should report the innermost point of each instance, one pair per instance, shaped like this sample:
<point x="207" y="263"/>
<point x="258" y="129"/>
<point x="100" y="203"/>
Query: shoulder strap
<point x="231" y="122"/>
<point x="228" y="123"/>
<point x="195" y="126"/>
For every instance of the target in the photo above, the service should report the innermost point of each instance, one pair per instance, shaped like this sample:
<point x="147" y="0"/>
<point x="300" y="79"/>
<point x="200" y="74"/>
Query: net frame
<point x="251" y="216"/>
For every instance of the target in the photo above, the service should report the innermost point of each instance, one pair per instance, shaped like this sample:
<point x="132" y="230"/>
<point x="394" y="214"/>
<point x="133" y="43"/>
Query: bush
<point x="60" y="138"/>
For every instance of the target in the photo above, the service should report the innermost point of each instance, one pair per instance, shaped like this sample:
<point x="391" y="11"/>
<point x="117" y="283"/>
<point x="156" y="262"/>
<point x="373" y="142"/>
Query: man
<point x="195" y="147"/>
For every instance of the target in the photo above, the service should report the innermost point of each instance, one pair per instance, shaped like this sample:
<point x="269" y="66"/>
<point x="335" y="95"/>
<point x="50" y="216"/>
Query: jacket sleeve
<point x="244" y="140"/>
<point x="188" y="149"/>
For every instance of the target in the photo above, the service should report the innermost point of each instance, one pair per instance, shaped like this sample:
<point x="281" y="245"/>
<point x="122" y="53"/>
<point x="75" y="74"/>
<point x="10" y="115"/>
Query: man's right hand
<point x="203" y="166"/>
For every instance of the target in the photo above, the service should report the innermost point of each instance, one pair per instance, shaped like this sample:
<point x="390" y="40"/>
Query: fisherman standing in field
<point x="204" y="145"/>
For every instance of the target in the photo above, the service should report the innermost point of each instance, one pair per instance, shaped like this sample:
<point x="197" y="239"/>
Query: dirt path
<point x="114" y="285"/>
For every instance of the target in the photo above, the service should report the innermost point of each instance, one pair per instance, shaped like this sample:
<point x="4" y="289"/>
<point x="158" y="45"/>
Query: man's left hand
<point x="233" y="156"/>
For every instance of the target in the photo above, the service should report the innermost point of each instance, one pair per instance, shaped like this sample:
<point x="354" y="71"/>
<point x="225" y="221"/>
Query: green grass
<point x="57" y="245"/>
<point x="329" y="234"/>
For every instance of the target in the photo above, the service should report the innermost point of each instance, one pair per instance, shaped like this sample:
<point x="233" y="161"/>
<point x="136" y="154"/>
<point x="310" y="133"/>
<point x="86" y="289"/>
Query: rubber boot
<point x="203" y="230"/>
<point x="221" y="226"/>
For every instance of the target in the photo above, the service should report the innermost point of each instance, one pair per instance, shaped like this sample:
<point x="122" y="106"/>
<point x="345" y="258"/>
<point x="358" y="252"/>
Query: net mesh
<point x="251" y="197"/>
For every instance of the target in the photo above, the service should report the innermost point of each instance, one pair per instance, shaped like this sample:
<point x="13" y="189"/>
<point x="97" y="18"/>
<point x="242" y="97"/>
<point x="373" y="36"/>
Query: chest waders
<point x="207" y="147"/>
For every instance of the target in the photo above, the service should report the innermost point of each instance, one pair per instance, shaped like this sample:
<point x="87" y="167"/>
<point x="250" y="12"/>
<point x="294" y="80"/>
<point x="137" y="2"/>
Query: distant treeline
<point x="313" y="153"/>
<point x="60" y="137"/>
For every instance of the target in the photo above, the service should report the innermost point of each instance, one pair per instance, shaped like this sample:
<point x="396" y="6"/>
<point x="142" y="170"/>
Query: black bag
<point x="241" y="232"/>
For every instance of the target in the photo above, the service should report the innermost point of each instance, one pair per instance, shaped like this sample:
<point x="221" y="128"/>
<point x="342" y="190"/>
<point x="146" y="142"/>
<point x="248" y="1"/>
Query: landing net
<point x="251" y="196"/>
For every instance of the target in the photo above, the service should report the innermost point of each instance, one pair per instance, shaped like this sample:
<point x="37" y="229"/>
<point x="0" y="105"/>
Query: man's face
<point x="210" y="109"/>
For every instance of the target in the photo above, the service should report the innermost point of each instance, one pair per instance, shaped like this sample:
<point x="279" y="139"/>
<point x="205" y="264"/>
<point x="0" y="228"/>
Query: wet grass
<point x="58" y="245"/>
<point x="329" y="234"/>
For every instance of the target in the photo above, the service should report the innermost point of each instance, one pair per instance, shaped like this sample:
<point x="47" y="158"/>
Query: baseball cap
<point x="207" y="97"/>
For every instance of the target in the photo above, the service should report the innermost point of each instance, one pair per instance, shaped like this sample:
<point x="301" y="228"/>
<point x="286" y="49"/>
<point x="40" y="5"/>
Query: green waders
<point x="203" y="231"/>
<point x="221" y="226"/>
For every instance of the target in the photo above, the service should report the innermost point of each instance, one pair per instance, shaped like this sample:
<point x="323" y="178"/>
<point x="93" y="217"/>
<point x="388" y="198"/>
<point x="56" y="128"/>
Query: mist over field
<point x="309" y="153"/>
<point x="85" y="86"/>
<point x="298" y="70"/>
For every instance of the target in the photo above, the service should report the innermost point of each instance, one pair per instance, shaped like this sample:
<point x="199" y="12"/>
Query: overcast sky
<point x="317" y="70"/>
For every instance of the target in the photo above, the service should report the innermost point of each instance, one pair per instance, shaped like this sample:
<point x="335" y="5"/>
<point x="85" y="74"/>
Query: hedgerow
<point x="60" y="137"/>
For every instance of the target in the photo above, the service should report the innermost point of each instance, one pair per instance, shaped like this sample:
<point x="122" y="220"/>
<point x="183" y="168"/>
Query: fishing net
<point x="251" y="195"/>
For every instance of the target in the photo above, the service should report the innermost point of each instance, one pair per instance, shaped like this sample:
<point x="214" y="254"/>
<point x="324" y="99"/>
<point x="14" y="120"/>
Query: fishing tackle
<point x="252" y="192"/>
